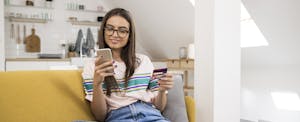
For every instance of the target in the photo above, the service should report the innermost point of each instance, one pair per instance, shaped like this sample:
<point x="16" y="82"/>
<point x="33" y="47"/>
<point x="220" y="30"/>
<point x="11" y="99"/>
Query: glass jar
<point x="182" y="53"/>
<point x="7" y="2"/>
<point x="48" y="3"/>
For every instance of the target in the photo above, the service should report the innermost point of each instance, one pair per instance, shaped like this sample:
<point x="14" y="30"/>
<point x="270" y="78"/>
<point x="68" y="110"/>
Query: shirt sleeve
<point x="88" y="76"/>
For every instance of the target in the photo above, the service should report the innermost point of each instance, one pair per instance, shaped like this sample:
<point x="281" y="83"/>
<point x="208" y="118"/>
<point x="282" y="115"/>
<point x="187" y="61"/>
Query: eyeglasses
<point x="122" y="32"/>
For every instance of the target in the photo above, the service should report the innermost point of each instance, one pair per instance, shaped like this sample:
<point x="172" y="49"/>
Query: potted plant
<point x="71" y="49"/>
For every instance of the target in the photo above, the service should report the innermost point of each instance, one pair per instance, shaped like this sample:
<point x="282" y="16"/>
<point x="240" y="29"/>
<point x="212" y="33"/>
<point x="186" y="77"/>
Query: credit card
<point x="159" y="73"/>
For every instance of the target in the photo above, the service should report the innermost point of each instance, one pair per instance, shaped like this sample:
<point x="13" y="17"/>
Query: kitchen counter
<point x="13" y="64"/>
<point x="37" y="59"/>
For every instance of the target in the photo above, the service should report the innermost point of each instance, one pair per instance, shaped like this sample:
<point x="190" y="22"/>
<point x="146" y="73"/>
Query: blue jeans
<point x="136" y="112"/>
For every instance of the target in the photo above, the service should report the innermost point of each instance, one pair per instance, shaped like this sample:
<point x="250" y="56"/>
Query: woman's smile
<point x="114" y="41"/>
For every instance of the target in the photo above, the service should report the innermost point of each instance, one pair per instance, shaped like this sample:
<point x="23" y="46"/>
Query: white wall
<point x="162" y="25"/>
<point x="2" y="53"/>
<point x="274" y="67"/>
<point x="217" y="66"/>
<point x="257" y="85"/>
<point x="51" y="33"/>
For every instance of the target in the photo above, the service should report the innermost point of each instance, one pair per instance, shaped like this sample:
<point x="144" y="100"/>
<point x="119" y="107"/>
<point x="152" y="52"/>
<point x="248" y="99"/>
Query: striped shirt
<point x="140" y="86"/>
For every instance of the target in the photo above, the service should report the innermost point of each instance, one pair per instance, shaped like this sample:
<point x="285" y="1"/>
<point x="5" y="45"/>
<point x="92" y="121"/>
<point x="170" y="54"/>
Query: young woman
<point x="128" y="93"/>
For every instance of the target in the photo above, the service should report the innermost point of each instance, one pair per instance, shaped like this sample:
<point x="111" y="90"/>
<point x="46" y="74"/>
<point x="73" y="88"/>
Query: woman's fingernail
<point x="113" y="61"/>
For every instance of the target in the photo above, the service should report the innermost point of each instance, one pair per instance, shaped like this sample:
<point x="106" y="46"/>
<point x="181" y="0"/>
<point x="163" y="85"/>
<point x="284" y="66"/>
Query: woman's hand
<point x="165" y="83"/>
<point x="102" y="69"/>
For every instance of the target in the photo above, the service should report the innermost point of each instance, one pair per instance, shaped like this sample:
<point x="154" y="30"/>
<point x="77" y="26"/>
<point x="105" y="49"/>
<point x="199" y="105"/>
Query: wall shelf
<point x="24" y="6"/>
<point x="86" y="23"/>
<point x="187" y="90"/>
<point x="27" y="20"/>
<point x="87" y="11"/>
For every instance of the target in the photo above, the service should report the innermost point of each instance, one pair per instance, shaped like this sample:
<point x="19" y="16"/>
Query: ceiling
<point x="165" y="25"/>
<point x="279" y="22"/>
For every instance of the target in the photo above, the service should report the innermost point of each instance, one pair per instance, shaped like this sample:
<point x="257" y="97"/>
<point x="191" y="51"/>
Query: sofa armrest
<point x="190" y="108"/>
<point x="175" y="109"/>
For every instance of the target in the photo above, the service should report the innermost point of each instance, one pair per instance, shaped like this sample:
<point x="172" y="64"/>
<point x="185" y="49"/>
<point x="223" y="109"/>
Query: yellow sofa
<point x="48" y="96"/>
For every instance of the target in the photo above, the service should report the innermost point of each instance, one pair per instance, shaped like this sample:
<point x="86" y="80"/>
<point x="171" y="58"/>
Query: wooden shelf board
<point x="188" y="87"/>
<point x="179" y="59"/>
<point x="87" y="23"/>
<point x="29" y="20"/>
<point x="87" y="11"/>
<point x="173" y="68"/>
<point x="24" y="6"/>
<point x="188" y="90"/>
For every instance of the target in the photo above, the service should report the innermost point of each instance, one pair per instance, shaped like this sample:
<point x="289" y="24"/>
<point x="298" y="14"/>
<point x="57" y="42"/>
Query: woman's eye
<point x="110" y="29"/>
<point x="123" y="31"/>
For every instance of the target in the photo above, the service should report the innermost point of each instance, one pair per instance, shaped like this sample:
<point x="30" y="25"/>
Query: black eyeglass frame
<point x="106" y="29"/>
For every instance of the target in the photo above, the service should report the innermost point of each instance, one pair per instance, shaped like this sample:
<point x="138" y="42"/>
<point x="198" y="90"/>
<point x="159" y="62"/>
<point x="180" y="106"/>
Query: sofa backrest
<point x="43" y="96"/>
<point x="58" y="96"/>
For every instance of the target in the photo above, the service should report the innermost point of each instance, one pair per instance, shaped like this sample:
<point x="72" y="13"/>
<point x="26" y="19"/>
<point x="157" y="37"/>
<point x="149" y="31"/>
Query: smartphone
<point x="159" y="73"/>
<point x="104" y="54"/>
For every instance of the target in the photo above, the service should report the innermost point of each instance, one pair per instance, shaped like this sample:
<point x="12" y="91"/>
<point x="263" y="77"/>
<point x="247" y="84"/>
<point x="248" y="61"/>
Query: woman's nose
<point x="115" y="34"/>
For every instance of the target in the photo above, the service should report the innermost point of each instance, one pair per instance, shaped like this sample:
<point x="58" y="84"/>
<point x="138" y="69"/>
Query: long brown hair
<point x="128" y="51"/>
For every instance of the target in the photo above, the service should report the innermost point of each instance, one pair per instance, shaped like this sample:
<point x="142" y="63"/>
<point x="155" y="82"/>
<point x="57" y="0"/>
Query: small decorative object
<point x="48" y="3"/>
<point x="191" y="51"/>
<point x="24" y="34"/>
<point x="71" y="50"/>
<point x="100" y="8"/>
<point x="182" y="53"/>
<point x="81" y="7"/>
<point x="18" y="35"/>
<point x="73" y="18"/>
<point x="7" y="2"/>
<point x="99" y="19"/>
<point x="33" y="43"/>
<point x="63" y="46"/>
<point x="29" y="3"/>
<point x="71" y="47"/>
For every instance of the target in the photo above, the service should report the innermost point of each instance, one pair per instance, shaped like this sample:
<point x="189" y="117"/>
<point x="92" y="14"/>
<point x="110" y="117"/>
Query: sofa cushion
<point x="176" y="109"/>
<point x="44" y="96"/>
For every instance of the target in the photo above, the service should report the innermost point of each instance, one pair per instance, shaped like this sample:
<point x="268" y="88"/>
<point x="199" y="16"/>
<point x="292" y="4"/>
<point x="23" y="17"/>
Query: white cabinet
<point x="26" y="65"/>
<point x="35" y="64"/>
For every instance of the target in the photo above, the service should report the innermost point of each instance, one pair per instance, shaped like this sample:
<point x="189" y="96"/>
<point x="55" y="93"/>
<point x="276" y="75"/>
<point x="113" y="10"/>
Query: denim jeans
<point x="137" y="112"/>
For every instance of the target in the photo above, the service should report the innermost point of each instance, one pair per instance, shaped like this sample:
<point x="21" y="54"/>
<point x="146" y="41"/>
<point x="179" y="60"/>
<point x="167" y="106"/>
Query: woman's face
<point x="116" y="32"/>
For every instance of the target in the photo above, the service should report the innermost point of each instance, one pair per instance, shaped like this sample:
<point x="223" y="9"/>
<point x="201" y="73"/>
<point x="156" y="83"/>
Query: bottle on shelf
<point x="7" y="2"/>
<point x="48" y="3"/>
